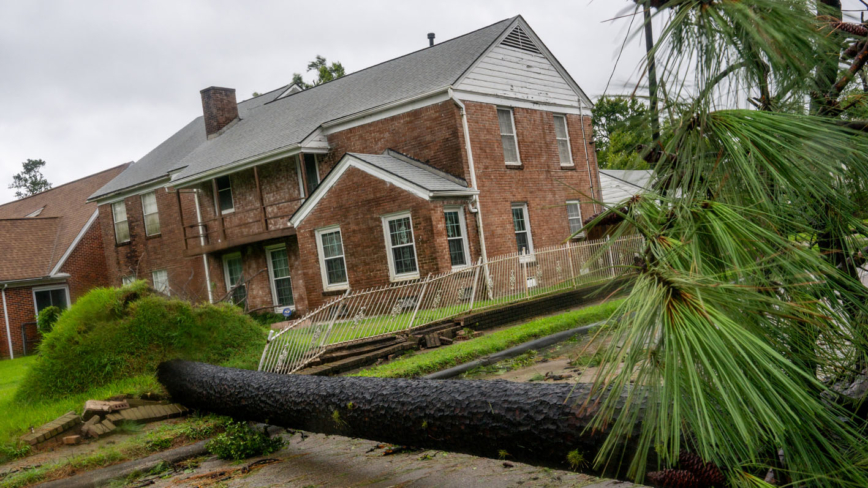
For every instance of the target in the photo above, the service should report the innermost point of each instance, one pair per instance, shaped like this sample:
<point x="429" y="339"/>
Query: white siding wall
<point x="510" y="72"/>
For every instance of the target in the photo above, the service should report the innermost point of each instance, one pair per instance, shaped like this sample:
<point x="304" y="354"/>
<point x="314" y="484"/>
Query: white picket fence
<point x="366" y="314"/>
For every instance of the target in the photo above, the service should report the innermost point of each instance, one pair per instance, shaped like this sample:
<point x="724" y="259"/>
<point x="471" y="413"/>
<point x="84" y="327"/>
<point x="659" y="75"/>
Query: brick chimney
<point x="219" y="108"/>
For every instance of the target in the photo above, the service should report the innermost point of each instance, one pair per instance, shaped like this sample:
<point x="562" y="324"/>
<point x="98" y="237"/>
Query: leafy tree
<point x="620" y="125"/>
<point x="747" y="320"/>
<point x="325" y="72"/>
<point x="30" y="180"/>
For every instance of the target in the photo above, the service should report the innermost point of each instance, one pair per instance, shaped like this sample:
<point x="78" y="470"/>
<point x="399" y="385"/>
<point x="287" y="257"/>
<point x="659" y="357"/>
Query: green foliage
<point x="30" y="180"/>
<point x="47" y="318"/>
<point x="462" y="352"/>
<point x="325" y="72"/>
<point x="13" y="451"/>
<point x="267" y="319"/>
<point x="576" y="459"/>
<point x="241" y="442"/>
<point x="620" y="125"/>
<point x="116" y="333"/>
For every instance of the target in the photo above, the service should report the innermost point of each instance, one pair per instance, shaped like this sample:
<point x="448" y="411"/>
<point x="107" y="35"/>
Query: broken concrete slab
<point x="100" y="407"/>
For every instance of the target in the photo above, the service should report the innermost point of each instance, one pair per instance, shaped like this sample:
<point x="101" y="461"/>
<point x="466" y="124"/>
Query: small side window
<point x="122" y="226"/>
<point x="224" y="194"/>
<point x="563" y="138"/>
<point x="507" y="136"/>
<point x="152" y="215"/>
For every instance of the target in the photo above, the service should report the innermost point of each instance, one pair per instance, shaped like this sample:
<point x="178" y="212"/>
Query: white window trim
<point x="50" y="288"/>
<point x="154" y="280"/>
<point x="523" y="207"/>
<point x="464" y="236"/>
<point x="115" y="222"/>
<point x="579" y="204"/>
<point x="268" y="251"/>
<point x="226" y="258"/>
<point x="217" y="196"/>
<point x="393" y="276"/>
<point x="299" y="160"/>
<point x="145" y="215"/>
<point x="514" y="135"/>
<point x="569" y="145"/>
<point x="322" y="267"/>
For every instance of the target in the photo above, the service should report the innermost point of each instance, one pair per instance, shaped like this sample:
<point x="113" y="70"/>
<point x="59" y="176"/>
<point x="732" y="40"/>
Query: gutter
<point x="202" y="243"/>
<point x="371" y="111"/>
<point x="236" y="166"/>
<point x="6" y="316"/>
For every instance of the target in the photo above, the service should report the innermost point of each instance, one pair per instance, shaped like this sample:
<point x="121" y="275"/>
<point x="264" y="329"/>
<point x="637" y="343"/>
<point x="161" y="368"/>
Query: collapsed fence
<point x="383" y="311"/>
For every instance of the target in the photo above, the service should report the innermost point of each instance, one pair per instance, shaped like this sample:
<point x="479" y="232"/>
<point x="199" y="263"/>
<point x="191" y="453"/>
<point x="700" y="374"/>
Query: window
<point x="521" y="223"/>
<point x="122" y="226"/>
<point x="331" y="258"/>
<point x="507" y="136"/>
<point x="161" y="281"/>
<point x="152" y="216"/>
<point x="224" y="194"/>
<point x="401" y="246"/>
<point x="456" y="234"/>
<point x="574" y="214"/>
<point x="48" y="296"/>
<point x="278" y="272"/>
<point x="128" y="280"/>
<point x="233" y="273"/>
<point x="311" y="169"/>
<point x="563" y="138"/>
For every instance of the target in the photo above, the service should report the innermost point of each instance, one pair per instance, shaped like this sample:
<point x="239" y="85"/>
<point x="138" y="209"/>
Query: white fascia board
<point x="59" y="278"/>
<point x="120" y="195"/>
<point x="504" y="101"/>
<point x="334" y="175"/>
<point x="75" y="242"/>
<point x="237" y="166"/>
<point x="385" y="111"/>
<point x="449" y="194"/>
<point x="316" y="142"/>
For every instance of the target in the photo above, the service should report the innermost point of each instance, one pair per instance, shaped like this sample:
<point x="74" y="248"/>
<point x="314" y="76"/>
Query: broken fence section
<point x="401" y="307"/>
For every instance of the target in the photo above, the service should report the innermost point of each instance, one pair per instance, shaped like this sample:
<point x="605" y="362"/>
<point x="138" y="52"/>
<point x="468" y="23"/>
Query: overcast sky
<point x="88" y="85"/>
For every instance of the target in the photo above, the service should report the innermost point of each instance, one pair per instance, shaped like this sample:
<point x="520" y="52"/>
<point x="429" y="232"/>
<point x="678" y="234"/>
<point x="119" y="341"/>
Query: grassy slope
<point x="462" y="352"/>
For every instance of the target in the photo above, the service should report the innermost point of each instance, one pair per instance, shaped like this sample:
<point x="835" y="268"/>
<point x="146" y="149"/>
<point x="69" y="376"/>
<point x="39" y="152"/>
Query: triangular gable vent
<point x="519" y="40"/>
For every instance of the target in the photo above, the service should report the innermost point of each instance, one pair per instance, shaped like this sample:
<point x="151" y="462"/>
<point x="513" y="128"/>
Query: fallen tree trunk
<point x="534" y="423"/>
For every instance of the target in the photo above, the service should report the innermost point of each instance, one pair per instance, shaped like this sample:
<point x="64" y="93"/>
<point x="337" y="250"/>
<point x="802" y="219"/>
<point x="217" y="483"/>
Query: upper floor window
<point x="161" y="281"/>
<point x="122" y="226"/>
<point x="152" y="215"/>
<point x="333" y="266"/>
<point x="224" y="194"/>
<point x="311" y="169"/>
<point x="563" y="138"/>
<point x="574" y="215"/>
<point x="456" y="235"/>
<point x="278" y="273"/>
<point x="521" y="224"/>
<point x="507" y="135"/>
<point x="401" y="246"/>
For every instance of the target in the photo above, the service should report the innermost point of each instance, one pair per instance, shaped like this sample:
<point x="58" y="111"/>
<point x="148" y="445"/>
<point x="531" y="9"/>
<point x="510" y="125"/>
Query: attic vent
<point x="519" y="40"/>
<point x="34" y="213"/>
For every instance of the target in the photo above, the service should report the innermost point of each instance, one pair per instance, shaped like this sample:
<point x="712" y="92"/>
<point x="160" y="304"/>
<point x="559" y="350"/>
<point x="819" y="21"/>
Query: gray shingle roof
<point x="416" y="172"/>
<point x="283" y="122"/>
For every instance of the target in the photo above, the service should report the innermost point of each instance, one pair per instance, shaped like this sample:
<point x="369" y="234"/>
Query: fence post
<point x="475" y="281"/>
<point x="265" y="352"/>
<point x="419" y="300"/>
<point x="570" y="259"/>
<point x="522" y="260"/>
<point x="611" y="258"/>
<point x="334" y="318"/>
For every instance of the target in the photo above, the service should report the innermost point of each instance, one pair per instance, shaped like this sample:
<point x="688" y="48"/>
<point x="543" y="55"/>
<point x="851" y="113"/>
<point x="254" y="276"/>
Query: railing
<point x="222" y="226"/>
<point x="383" y="311"/>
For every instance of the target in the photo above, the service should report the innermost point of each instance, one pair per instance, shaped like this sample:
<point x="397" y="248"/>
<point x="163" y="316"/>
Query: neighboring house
<point x="619" y="185"/>
<point x="52" y="254"/>
<point x="477" y="146"/>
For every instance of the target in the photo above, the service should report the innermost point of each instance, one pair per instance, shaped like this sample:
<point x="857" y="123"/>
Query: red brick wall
<point x="540" y="181"/>
<point x="143" y="254"/>
<point x="19" y="304"/>
<point x="86" y="264"/>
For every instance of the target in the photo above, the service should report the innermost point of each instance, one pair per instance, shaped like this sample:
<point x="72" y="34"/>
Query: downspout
<point x="202" y="243"/>
<point x="469" y="151"/>
<point x="588" y="157"/>
<point x="6" y="316"/>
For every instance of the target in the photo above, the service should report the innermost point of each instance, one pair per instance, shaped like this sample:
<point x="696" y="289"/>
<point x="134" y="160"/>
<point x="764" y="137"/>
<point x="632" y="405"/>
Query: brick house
<point x="53" y="253"/>
<point x="473" y="147"/>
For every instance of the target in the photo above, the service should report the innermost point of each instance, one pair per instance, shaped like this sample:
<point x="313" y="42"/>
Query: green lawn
<point x="438" y="359"/>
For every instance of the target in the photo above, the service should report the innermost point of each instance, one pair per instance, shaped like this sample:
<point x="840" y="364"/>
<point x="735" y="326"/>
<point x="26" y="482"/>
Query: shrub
<point x="242" y="442"/>
<point x="116" y="333"/>
<point x="267" y="319"/>
<point x="46" y="319"/>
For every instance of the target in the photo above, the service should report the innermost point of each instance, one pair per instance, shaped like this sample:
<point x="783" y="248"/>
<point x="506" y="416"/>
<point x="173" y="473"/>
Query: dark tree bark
<point x="534" y="423"/>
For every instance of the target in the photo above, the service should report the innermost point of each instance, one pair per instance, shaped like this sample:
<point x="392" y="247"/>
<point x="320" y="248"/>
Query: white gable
<point x="518" y="68"/>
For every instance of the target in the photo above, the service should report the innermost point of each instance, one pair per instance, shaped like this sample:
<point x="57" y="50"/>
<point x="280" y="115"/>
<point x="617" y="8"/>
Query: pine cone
<point x="675" y="478"/>
<point x="708" y="473"/>
<point x="852" y="29"/>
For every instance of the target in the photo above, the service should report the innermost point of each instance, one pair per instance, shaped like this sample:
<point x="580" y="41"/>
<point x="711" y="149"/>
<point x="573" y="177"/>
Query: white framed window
<point x="521" y="224"/>
<point x="332" y="263"/>
<point x="311" y="169"/>
<point x="128" y="280"/>
<point x="53" y="295"/>
<point x="574" y="215"/>
<point x="160" y="278"/>
<point x="233" y="273"/>
<point x="278" y="274"/>
<point x="122" y="226"/>
<point x="456" y="235"/>
<point x="400" y="246"/>
<point x="152" y="215"/>
<point x="507" y="136"/>
<point x="224" y="194"/>
<point x="563" y="138"/>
